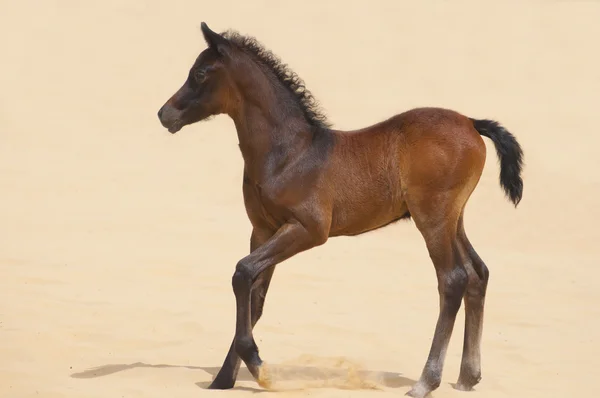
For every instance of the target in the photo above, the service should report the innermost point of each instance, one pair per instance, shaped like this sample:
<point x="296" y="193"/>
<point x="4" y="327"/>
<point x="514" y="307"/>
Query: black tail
<point x="510" y="154"/>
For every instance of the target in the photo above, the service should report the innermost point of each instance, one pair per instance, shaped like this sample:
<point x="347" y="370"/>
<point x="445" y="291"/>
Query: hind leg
<point x="436" y="217"/>
<point x="470" y="368"/>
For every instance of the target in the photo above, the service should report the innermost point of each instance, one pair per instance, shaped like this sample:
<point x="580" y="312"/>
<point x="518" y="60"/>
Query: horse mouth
<point x="175" y="127"/>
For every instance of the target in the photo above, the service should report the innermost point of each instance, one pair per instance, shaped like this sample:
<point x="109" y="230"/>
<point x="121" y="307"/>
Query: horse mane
<point x="288" y="78"/>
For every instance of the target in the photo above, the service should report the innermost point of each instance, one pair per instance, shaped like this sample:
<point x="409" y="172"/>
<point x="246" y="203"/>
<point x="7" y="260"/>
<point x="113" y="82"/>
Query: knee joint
<point x="241" y="279"/>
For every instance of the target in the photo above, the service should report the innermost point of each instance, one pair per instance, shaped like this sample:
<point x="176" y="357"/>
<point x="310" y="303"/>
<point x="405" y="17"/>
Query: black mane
<point x="288" y="78"/>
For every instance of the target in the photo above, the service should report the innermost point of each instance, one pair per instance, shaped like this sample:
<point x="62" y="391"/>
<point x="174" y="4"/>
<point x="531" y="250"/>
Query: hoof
<point x="466" y="383"/>
<point x="220" y="385"/>
<point x="462" y="387"/>
<point x="264" y="378"/>
<point x="418" y="391"/>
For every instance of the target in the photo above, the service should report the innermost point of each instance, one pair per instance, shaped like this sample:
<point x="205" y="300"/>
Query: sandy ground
<point x="118" y="240"/>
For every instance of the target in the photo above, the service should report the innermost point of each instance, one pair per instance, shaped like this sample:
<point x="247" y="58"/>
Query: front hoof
<point x="221" y="385"/>
<point x="264" y="377"/>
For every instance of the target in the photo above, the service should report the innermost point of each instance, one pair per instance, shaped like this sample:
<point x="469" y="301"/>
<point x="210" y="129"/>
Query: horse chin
<point x="180" y="123"/>
<point x="175" y="128"/>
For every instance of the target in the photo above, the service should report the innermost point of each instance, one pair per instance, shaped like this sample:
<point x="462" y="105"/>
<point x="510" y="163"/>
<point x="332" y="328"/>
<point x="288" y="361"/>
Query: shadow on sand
<point x="289" y="377"/>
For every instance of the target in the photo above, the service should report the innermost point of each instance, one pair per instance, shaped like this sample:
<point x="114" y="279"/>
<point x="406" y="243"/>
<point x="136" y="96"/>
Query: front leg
<point x="292" y="238"/>
<point x="227" y="375"/>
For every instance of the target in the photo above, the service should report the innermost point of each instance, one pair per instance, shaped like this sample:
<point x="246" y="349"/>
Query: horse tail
<point x="510" y="155"/>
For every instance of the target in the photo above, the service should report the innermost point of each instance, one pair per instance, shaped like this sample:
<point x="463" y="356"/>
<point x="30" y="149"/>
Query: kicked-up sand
<point x="118" y="240"/>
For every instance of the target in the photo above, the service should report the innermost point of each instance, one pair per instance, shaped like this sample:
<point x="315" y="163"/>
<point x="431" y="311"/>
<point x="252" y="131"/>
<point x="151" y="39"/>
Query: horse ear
<point x="214" y="40"/>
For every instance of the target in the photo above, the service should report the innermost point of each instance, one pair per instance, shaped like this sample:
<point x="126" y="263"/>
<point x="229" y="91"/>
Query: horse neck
<point x="271" y="128"/>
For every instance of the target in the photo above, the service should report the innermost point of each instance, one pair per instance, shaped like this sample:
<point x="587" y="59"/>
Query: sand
<point x="118" y="240"/>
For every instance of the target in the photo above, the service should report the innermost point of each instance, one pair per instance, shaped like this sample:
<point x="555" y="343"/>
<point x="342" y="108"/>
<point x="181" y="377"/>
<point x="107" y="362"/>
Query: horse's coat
<point x="305" y="182"/>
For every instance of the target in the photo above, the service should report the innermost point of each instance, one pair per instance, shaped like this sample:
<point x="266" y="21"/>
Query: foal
<point x="304" y="182"/>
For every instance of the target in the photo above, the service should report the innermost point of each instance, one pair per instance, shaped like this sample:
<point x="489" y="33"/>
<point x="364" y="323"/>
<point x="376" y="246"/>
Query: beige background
<point x="118" y="240"/>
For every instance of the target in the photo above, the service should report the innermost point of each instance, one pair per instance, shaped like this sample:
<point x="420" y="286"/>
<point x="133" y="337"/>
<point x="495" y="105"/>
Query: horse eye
<point x="200" y="76"/>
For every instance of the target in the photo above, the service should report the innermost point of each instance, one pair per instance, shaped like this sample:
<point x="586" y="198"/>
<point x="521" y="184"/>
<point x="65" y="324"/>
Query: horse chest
<point x="264" y="205"/>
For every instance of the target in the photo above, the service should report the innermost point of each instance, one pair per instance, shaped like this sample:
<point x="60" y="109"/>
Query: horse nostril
<point x="160" y="111"/>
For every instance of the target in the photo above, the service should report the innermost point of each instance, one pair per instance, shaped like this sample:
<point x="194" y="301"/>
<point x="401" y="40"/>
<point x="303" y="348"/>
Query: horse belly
<point x="369" y="207"/>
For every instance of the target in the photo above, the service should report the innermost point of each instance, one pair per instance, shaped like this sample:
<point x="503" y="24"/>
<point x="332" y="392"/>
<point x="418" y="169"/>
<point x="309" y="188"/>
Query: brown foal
<point x="305" y="182"/>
